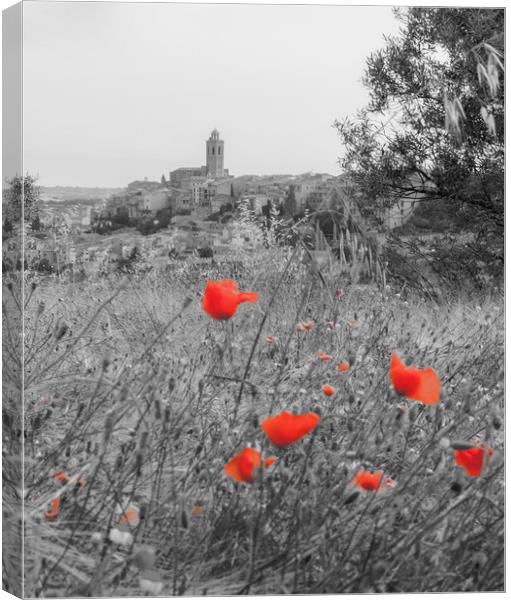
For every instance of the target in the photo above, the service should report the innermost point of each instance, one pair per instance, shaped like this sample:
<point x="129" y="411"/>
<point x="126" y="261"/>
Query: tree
<point x="22" y="188"/>
<point x="7" y="226"/>
<point x="127" y="265"/>
<point x="434" y="126"/>
<point x="205" y="252"/>
<point x="36" y="223"/>
<point x="164" y="217"/>
<point x="290" y="202"/>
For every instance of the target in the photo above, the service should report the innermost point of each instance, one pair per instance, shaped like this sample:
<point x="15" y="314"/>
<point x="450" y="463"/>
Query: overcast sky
<point x="117" y="92"/>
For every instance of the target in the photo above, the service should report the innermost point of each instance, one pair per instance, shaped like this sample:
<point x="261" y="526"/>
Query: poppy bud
<point x="172" y="385"/>
<point x="61" y="331"/>
<point x="479" y="560"/>
<point x="399" y="413"/>
<point x="143" y="439"/>
<point x="105" y="363"/>
<point x="456" y="487"/>
<point x="184" y="519"/>
<point x="167" y="417"/>
<point x="157" y="409"/>
<point x="138" y="463"/>
<point x="461" y="445"/>
<point x="497" y="423"/>
<point x="109" y="424"/>
<point x="79" y="412"/>
<point x="124" y="393"/>
<point x="352" y="497"/>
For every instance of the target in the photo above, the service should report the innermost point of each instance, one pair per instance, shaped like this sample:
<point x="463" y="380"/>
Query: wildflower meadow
<point x="255" y="430"/>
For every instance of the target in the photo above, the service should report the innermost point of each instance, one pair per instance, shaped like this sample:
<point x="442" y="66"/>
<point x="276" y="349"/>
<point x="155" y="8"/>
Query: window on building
<point x="219" y="150"/>
<point x="213" y="150"/>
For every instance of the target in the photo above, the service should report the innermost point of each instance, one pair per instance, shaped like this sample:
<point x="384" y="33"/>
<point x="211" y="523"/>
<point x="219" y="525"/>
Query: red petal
<point x="416" y="384"/>
<point x="286" y="429"/>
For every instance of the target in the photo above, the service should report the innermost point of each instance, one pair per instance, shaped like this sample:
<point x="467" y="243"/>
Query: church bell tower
<point x="215" y="155"/>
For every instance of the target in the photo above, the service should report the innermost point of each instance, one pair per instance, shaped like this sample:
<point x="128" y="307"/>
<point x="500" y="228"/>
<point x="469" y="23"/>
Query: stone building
<point x="215" y="155"/>
<point x="186" y="177"/>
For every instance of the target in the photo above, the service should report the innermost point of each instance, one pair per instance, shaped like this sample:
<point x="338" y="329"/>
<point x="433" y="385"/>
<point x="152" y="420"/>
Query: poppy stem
<point x="258" y="335"/>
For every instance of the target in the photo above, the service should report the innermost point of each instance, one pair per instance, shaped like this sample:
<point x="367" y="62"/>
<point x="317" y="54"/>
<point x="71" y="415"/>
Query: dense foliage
<point x="438" y="86"/>
<point x="22" y="192"/>
<point x="434" y="126"/>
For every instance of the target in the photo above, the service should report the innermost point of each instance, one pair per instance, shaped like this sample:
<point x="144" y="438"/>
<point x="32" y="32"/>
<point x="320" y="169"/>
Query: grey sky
<point x="116" y="92"/>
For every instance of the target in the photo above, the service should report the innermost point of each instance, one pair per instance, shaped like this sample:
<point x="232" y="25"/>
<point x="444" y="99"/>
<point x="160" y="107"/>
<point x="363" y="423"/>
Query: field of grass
<point x="132" y="388"/>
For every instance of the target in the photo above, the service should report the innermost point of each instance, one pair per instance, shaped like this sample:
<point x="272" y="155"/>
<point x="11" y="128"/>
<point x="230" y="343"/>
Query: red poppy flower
<point x="339" y="293"/>
<point x="330" y="325"/>
<point x="471" y="460"/>
<point x="221" y="299"/>
<point x="422" y="385"/>
<point x="324" y="356"/>
<point x="286" y="429"/>
<point x="270" y="339"/>
<point x="51" y="515"/>
<point x="61" y="477"/>
<point x="308" y="326"/>
<point x="196" y="511"/>
<point x="343" y="367"/>
<point x="369" y="482"/>
<point x="131" y="516"/>
<point x="243" y="465"/>
<point x="328" y="390"/>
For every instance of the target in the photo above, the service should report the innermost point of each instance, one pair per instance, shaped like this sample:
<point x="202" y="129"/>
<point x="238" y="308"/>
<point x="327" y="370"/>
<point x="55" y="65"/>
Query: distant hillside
<point x="76" y="193"/>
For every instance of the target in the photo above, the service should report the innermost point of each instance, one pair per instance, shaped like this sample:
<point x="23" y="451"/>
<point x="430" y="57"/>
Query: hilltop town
<point x="190" y="211"/>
